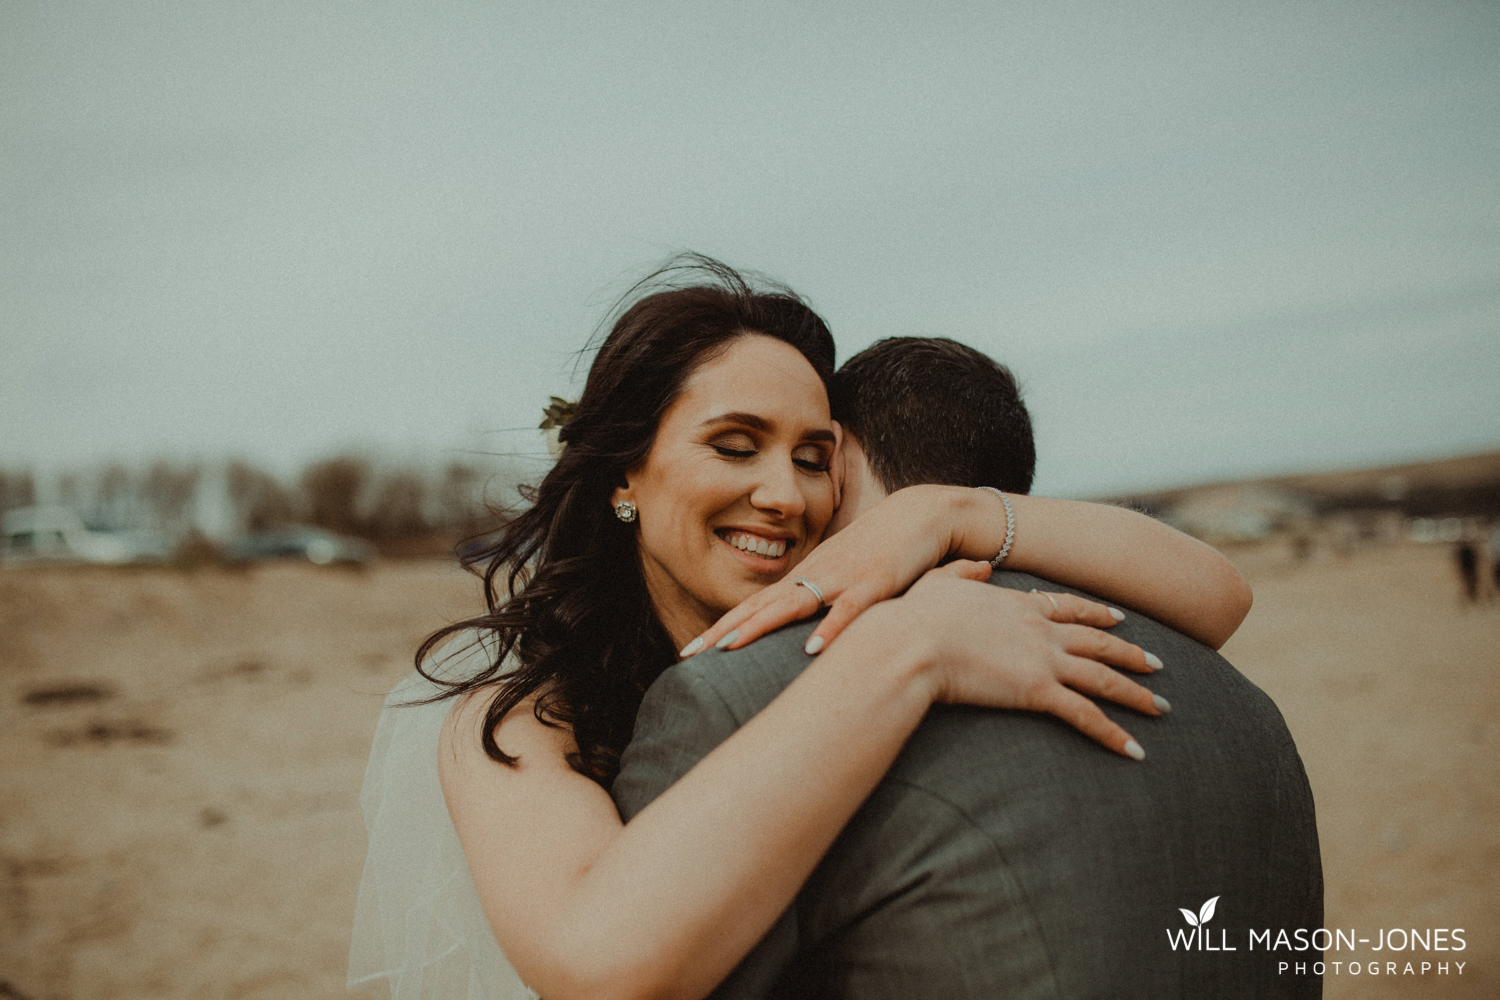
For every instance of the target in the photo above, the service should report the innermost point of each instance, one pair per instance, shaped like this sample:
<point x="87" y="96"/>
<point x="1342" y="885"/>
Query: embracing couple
<point x="911" y="792"/>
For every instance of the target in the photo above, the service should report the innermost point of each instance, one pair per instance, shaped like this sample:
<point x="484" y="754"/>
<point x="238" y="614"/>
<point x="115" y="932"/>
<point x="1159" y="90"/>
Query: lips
<point x="754" y="544"/>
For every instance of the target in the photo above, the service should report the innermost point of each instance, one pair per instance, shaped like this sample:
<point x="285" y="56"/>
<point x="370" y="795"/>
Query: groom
<point x="1005" y="855"/>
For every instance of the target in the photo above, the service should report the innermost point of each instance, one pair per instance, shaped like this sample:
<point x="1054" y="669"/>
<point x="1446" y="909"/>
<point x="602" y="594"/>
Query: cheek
<point x="819" y="507"/>
<point x="679" y="508"/>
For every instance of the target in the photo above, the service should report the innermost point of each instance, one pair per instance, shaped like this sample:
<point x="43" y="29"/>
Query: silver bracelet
<point x="1010" y="527"/>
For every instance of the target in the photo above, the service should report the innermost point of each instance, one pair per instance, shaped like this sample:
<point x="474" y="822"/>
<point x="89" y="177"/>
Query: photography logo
<point x="1299" y="951"/>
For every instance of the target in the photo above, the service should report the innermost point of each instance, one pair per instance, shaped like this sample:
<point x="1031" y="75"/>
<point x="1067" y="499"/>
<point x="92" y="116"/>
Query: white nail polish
<point x="1133" y="749"/>
<point x="814" y="645"/>
<point x="727" y="639"/>
<point x="692" y="647"/>
<point x="1154" y="662"/>
<point x="1117" y="614"/>
<point x="1162" y="704"/>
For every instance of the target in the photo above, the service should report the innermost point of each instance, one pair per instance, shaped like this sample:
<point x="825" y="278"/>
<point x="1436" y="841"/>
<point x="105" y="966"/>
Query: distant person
<point x="1466" y="554"/>
<point x="1002" y="855"/>
<point x="697" y="470"/>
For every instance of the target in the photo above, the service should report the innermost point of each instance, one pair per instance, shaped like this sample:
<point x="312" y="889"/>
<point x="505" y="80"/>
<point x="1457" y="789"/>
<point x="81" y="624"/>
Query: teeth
<point x="758" y="546"/>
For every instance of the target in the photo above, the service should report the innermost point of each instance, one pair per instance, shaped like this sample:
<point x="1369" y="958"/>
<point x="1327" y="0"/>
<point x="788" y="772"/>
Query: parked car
<point x="48" y="534"/>
<point x="317" y="546"/>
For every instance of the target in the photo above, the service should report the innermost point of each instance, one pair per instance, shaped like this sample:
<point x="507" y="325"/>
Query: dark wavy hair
<point x="563" y="582"/>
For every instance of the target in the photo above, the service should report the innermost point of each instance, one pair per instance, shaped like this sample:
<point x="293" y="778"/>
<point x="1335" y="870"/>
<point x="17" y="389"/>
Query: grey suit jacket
<point x="1007" y="855"/>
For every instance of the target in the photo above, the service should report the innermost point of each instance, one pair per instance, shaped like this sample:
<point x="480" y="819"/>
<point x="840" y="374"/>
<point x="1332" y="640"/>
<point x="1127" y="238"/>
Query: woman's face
<point x="736" y="489"/>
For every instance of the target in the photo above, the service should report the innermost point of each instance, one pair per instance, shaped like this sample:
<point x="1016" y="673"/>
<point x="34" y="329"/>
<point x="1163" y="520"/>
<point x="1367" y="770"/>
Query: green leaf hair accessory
<point x="557" y="413"/>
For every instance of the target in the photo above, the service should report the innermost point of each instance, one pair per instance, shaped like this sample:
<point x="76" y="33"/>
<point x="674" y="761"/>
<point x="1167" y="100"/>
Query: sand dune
<point x="183" y="753"/>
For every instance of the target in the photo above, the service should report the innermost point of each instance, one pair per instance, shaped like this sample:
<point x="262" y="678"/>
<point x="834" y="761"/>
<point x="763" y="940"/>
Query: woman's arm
<point x="1121" y="555"/>
<point x="1117" y="554"/>
<point x="666" y="905"/>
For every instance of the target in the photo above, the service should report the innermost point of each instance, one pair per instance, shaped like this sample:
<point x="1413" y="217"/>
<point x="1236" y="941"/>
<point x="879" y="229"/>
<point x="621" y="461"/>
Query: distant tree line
<point x="349" y="495"/>
<point x="397" y="507"/>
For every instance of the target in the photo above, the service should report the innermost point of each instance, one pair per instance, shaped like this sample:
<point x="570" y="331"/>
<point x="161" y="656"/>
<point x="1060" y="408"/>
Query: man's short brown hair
<point x="932" y="410"/>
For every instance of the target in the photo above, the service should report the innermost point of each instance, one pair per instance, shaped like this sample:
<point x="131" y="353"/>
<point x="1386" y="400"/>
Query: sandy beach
<point x="184" y="748"/>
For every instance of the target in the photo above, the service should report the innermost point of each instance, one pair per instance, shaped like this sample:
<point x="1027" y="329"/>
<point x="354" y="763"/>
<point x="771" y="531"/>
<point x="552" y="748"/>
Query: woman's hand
<point x="875" y="558"/>
<point x="1038" y="652"/>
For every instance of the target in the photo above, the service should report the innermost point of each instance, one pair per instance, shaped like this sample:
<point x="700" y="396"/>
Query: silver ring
<point x="1055" y="608"/>
<point x="803" y="581"/>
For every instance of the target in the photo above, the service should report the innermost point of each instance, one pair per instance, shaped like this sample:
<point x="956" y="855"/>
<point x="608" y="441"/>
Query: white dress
<point x="419" y="931"/>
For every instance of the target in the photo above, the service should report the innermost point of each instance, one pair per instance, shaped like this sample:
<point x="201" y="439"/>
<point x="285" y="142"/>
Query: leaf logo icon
<point x="1204" y="915"/>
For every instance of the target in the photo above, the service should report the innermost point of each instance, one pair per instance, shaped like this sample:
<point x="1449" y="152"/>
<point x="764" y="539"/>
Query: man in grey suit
<point x="1004" y="854"/>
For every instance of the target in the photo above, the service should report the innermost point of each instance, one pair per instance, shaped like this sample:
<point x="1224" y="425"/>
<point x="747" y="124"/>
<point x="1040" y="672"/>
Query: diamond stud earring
<point x="625" y="511"/>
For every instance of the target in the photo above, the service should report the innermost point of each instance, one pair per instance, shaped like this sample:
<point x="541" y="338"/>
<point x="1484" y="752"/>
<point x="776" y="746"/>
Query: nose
<point x="779" y="490"/>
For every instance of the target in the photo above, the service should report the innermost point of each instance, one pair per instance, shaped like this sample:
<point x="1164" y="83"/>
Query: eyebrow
<point x="761" y="424"/>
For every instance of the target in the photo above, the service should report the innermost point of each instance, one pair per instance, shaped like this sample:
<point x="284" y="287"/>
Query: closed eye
<point x="812" y="458"/>
<point x="733" y="452"/>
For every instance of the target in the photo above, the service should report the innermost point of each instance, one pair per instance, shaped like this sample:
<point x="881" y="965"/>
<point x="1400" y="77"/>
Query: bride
<point x="696" y="473"/>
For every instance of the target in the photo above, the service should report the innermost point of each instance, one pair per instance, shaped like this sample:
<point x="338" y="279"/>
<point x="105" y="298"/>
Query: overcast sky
<point x="1212" y="240"/>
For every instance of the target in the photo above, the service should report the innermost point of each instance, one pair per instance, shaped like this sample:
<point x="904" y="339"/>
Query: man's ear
<point x="836" y="464"/>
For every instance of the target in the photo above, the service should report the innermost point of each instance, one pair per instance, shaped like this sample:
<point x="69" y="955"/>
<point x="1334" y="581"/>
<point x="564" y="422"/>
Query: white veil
<point x="419" y="932"/>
